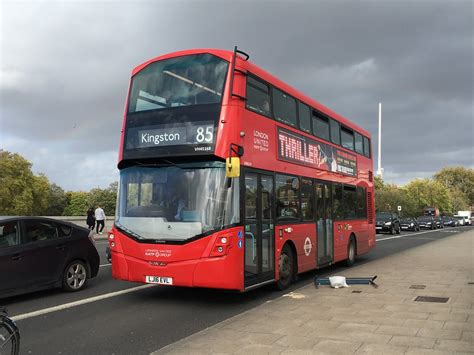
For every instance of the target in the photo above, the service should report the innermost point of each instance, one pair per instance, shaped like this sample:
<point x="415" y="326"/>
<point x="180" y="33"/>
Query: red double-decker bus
<point x="232" y="179"/>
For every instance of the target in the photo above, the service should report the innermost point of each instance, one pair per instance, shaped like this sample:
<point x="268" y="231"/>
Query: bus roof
<point x="264" y="75"/>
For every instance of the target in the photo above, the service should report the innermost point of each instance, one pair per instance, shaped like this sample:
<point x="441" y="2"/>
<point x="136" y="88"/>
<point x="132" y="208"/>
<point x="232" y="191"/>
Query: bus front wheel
<point x="285" y="268"/>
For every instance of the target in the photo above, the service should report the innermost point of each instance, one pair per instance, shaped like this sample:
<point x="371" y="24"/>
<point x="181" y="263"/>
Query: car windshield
<point x="383" y="216"/>
<point x="176" y="202"/>
<point x="406" y="220"/>
<point x="181" y="81"/>
<point x="424" y="219"/>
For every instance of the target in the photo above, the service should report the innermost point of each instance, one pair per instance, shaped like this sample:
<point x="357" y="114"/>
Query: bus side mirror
<point x="232" y="167"/>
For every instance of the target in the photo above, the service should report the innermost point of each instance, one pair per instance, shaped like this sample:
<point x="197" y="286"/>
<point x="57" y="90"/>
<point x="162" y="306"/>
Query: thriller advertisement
<point x="298" y="149"/>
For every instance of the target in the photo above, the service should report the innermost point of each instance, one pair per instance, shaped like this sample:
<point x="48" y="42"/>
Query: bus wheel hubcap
<point x="285" y="267"/>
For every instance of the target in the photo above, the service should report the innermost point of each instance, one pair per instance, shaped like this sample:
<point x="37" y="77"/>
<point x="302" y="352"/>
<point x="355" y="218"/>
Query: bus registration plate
<point x="159" y="280"/>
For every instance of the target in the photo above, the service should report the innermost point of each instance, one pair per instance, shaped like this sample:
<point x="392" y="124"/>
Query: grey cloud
<point x="64" y="80"/>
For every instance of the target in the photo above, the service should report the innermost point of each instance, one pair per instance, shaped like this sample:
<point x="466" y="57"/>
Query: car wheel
<point x="75" y="276"/>
<point x="285" y="268"/>
<point x="351" y="252"/>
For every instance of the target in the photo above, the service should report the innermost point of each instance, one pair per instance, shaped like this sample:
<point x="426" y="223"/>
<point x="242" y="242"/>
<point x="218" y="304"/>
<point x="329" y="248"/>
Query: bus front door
<point x="324" y="225"/>
<point x="259" y="244"/>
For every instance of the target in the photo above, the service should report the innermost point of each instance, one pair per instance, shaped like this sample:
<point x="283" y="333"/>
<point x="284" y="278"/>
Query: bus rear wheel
<point x="351" y="252"/>
<point x="285" y="268"/>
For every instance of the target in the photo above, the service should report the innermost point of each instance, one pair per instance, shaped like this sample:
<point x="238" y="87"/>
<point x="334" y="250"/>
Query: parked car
<point x="427" y="222"/>
<point x="467" y="217"/>
<point x="410" y="224"/>
<point x="449" y="221"/>
<point x="460" y="220"/>
<point x="387" y="222"/>
<point x="38" y="253"/>
<point x="467" y="221"/>
<point x="439" y="222"/>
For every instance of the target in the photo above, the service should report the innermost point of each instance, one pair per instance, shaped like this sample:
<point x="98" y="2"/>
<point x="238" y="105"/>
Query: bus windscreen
<point x="175" y="82"/>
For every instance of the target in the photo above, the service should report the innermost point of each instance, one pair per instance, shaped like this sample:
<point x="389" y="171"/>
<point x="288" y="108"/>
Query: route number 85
<point x="205" y="134"/>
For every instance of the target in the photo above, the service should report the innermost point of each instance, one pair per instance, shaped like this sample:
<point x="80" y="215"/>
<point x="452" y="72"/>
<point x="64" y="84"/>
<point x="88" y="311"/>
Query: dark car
<point x="38" y="253"/>
<point x="449" y="221"/>
<point x="426" y="222"/>
<point x="387" y="222"/>
<point x="410" y="224"/>
<point x="439" y="222"/>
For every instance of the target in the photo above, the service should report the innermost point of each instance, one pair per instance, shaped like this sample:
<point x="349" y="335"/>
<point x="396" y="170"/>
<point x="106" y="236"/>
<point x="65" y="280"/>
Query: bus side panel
<point x="341" y="240"/>
<point x="360" y="229"/>
<point x="303" y="237"/>
<point x="342" y="233"/>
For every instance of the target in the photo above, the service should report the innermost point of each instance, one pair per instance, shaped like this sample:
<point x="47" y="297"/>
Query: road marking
<point x="104" y="265"/>
<point x="408" y="235"/>
<point x="78" y="303"/>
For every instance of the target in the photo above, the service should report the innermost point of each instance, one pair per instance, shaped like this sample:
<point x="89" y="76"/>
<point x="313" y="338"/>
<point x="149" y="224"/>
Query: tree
<point x="458" y="180"/>
<point x="77" y="203"/>
<point x="106" y="198"/>
<point x="57" y="200"/>
<point x="40" y="195"/>
<point x="21" y="193"/>
<point x="378" y="183"/>
<point x="426" y="192"/>
<point x="389" y="197"/>
<point x="459" y="201"/>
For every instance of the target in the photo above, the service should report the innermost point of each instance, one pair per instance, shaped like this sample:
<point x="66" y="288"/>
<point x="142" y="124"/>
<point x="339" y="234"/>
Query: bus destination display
<point x="194" y="133"/>
<point x="298" y="149"/>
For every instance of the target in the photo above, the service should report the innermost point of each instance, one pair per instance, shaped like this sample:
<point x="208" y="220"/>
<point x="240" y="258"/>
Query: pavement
<point x="362" y="319"/>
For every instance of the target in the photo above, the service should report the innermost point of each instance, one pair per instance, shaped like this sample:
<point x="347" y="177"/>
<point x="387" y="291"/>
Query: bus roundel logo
<point x="307" y="246"/>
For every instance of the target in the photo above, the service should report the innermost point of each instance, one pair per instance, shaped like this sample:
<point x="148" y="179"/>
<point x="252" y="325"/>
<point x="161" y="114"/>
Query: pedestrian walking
<point x="90" y="218"/>
<point x="100" y="219"/>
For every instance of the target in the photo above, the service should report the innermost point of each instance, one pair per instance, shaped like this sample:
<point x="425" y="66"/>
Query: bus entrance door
<point x="324" y="225"/>
<point x="259" y="245"/>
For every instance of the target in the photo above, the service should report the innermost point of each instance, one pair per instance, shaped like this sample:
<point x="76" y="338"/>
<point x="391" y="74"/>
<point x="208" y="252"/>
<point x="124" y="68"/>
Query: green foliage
<point x="389" y="197"/>
<point x="459" y="200"/>
<point x="57" y="201"/>
<point x="40" y="195"/>
<point x="106" y="198"/>
<point x="17" y="186"/>
<point x="460" y="181"/>
<point x="426" y="192"/>
<point x="77" y="203"/>
<point x="378" y="183"/>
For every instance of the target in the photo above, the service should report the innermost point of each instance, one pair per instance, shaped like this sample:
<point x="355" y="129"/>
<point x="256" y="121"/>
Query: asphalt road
<point x="142" y="319"/>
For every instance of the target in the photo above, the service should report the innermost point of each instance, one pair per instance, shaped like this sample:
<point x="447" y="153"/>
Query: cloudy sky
<point x="65" y="66"/>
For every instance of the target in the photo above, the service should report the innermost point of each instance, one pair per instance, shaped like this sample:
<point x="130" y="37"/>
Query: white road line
<point x="77" y="303"/>
<point x="408" y="235"/>
<point x="104" y="265"/>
